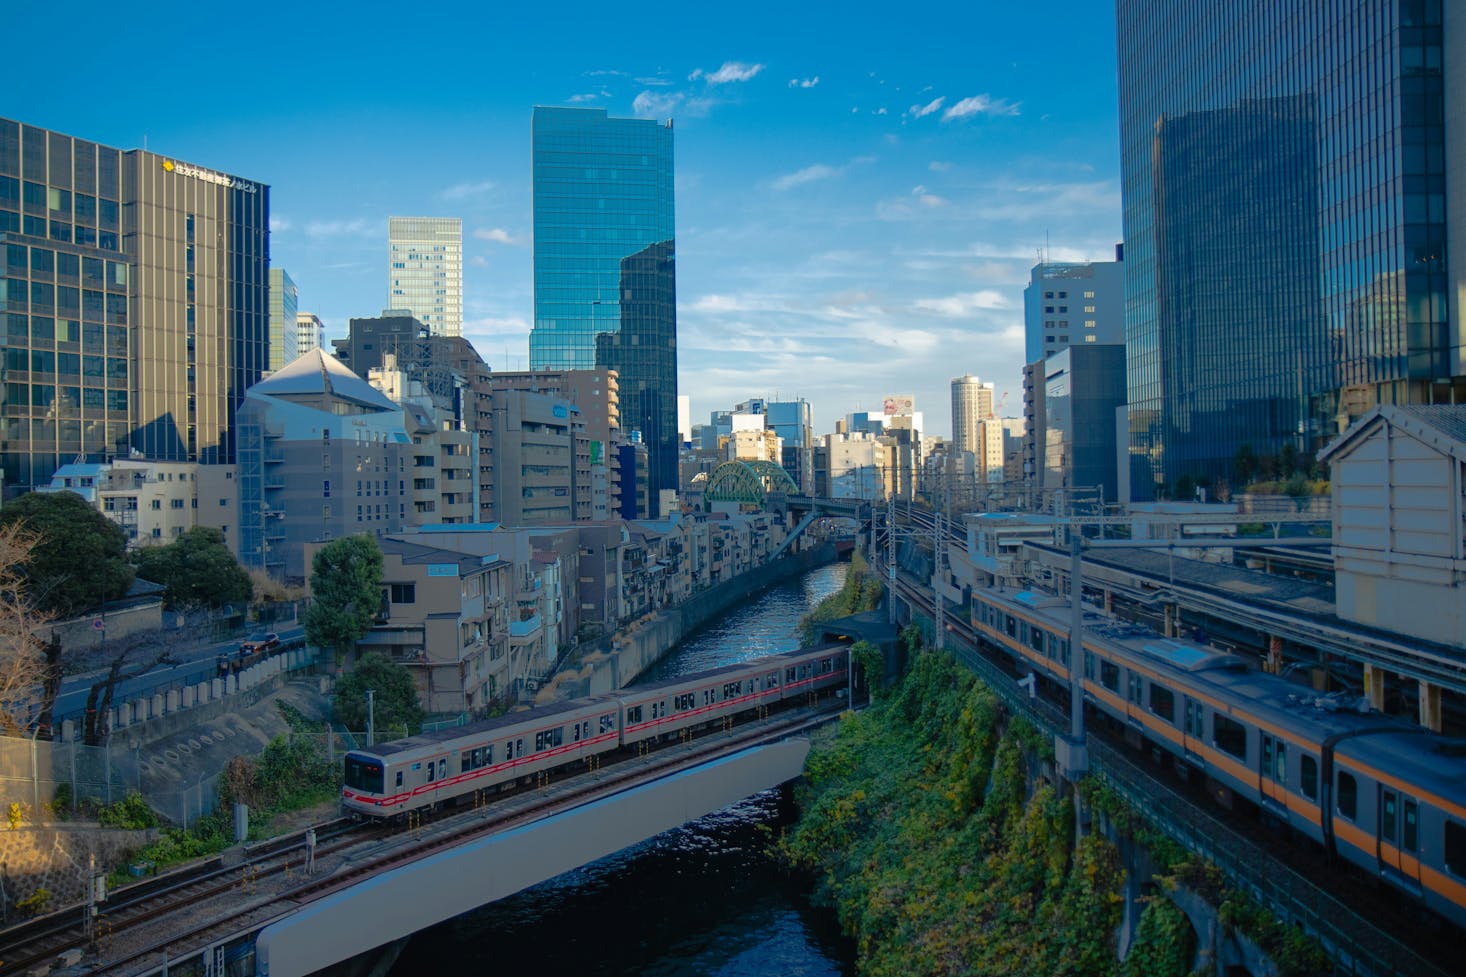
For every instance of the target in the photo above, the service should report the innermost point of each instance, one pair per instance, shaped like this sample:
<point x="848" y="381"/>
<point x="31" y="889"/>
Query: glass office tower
<point x="1284" y="178"/>
<point x="134" y="302"/>
<point x="605" y="284"/>
<point x="425" y="273"/>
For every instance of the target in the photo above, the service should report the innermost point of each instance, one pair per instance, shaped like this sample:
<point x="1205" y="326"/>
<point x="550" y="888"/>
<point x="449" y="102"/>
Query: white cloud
<point x="804" y="82"/>
<point x="463" y="191"/>
<point x="278" y="224"/>
<point x="497" y="234"/>
<point x="655" y="105"/>
<point x="653" y="81"/>
<point x="880" y="111"/>
<point x="980" y="105"/>
<point x="585" y="97"/>
<point x="938" y="166"/>
<point x="809" y="174"/>
<point x="730" y="71"/>
<point x="479" y="261"/>
<point x="926" y="198"/>
<point x="964" y="304"/>
<point x="917" y="111"/>
<point x="359" y="227"/>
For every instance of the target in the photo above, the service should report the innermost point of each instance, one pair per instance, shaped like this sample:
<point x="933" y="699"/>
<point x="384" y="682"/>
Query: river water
<point x="706" y="899"/>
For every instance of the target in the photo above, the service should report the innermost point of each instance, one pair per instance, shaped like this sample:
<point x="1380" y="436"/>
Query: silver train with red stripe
<point x="1375" y="790"/>
<point x="426" y="771"/>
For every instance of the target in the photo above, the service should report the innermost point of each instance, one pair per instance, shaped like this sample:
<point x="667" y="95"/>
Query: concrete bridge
<point x="387" y="908"/>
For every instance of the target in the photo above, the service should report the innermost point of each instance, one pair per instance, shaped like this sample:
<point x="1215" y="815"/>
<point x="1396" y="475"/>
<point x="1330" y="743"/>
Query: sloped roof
<point x="320" y="373"/>
<point x="1442" y="426"/>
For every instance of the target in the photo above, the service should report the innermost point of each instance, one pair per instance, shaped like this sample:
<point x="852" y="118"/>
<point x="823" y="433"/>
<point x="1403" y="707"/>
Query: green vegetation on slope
<point x="919" y="824"/>
<point x="862" y="591"/>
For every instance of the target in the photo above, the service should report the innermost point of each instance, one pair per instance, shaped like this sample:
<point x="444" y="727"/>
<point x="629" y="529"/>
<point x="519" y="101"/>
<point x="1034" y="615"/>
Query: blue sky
<point x="861" y="189"/>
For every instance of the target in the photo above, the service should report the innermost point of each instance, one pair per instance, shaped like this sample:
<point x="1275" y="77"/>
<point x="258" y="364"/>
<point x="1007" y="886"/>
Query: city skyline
<point x="850" y="225"/>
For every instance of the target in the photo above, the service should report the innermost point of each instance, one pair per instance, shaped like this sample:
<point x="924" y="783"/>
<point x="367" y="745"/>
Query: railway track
<point x="1370" y="926"/>
<point x="182" y="912"/>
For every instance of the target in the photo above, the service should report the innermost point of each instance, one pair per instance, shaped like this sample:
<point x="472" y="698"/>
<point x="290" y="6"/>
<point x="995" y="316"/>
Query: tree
<point x="1245" y="465"/>
<point x="78" y="558"/>
<point x="395" y="709"/>
<point x="24" y="662"/>
<point x="197" y="568"/>
<point x="346" y="586"/>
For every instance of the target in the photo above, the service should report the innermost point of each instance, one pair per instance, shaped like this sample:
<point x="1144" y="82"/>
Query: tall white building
<point x="972" y="403"/>
<point x="310" y="333"/>
<point x="425" y="271"/>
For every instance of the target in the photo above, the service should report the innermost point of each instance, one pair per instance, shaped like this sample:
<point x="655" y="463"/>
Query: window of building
<point x="1089" y="295"/>
<point x="1089" y="309"/>
<point x="177" y="503"/>
<point x="1089" y="323"/>
<point x="1091" y="339"/>
<point x="404" y="593"/>
<point x="326" y="489"/>
<point x="157" y="503"/>
<point x="1063" y="295"/>
<point x="1048" y="295"/>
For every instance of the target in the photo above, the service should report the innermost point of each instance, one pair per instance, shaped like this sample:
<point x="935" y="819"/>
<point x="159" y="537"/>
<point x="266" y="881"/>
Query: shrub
<point x="132" y="813"/>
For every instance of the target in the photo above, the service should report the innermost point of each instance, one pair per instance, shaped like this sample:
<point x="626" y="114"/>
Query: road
<point x="194" y="664"/>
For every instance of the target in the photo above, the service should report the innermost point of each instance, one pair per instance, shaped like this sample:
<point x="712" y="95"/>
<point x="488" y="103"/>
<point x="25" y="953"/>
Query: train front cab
<point x="1400" y="814"/>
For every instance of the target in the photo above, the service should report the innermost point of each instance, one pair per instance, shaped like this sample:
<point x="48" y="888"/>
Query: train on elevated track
<point x="1366" y="787"/>
<point x="424" y="772"/>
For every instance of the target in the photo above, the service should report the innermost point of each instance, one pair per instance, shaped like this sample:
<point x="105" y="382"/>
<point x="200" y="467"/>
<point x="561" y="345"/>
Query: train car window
<point x="465" y="762"/>
<point x="431" y="768"/>
<point x="539" y="740"/>
<point x="1455" y="848"/>
<point x="1410" y="828"/>
<point x="1010" y="625"/>
<point x="1308" y="772"/>
<point x="684" y="702"/>
<point x="1229" y="736"/>
<point x="1136" y="687"/>
<point x="789" y="674"/>
<point x="707" y="697"/>
<point x="1280" y="762"/>
<point x="608" y="723"/>
<point x="399" y="778"/>
<point x="1265" y="756"/>
<point x="1110" y="675"/>
<point x="771" y="681"/>
<point x="1089" y="665"/>
<point x="1063" y="654"/>
<point x="1389" y="812"/>
<point x="633" y="715"/>
<point x="1163" y="702"/>
<point x="1348" y="802"/>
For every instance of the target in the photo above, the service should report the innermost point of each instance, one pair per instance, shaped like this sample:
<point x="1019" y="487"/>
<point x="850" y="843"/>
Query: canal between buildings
<point x="705" y="899"/>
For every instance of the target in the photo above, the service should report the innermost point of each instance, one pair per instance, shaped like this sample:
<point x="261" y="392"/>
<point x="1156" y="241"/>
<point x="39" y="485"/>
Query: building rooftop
<point x="316" y="374"/>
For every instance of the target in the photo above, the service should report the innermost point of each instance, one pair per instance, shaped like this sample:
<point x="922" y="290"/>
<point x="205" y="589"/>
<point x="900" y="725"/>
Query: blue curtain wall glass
<point x="1283" y="181"/>
<point x="605" y="266"/>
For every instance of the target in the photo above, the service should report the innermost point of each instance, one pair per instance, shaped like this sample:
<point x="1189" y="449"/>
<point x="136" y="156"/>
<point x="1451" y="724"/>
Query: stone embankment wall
<point x="58" y="859"/>
<point x="640" y="645"/>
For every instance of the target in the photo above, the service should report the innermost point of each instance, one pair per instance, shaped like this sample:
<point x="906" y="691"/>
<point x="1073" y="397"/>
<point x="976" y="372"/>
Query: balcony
<point x="525" y="628"/>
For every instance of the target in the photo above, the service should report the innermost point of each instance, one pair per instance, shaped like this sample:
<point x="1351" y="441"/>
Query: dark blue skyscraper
<point x="605" y="284"/>
<point x="1284" y="169"/>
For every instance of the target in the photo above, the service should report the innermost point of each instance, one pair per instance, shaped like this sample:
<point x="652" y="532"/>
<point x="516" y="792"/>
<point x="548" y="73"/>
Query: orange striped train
<point x="444" y="767"/>
<point x="1377" y="791"/>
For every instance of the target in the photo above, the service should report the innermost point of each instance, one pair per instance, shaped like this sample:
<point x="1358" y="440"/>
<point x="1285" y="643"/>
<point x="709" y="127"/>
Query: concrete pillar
<point x="1275" y="654"/>
<point x="231" y="684"/>
<point x="114" y="717"/>
<point x="216" y="689"/>
<point x="157" y="705"/>
<point x="172" y="700"/>
<point x="1430" y="706"/>
<point x="122" y="715"/>
<point x="68" y="730"/>
<point x="1374" y="687"/>
<point x="190" y="697"/>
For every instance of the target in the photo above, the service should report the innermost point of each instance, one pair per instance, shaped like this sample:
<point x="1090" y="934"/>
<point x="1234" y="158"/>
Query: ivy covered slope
<point x="917" y="821"/>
